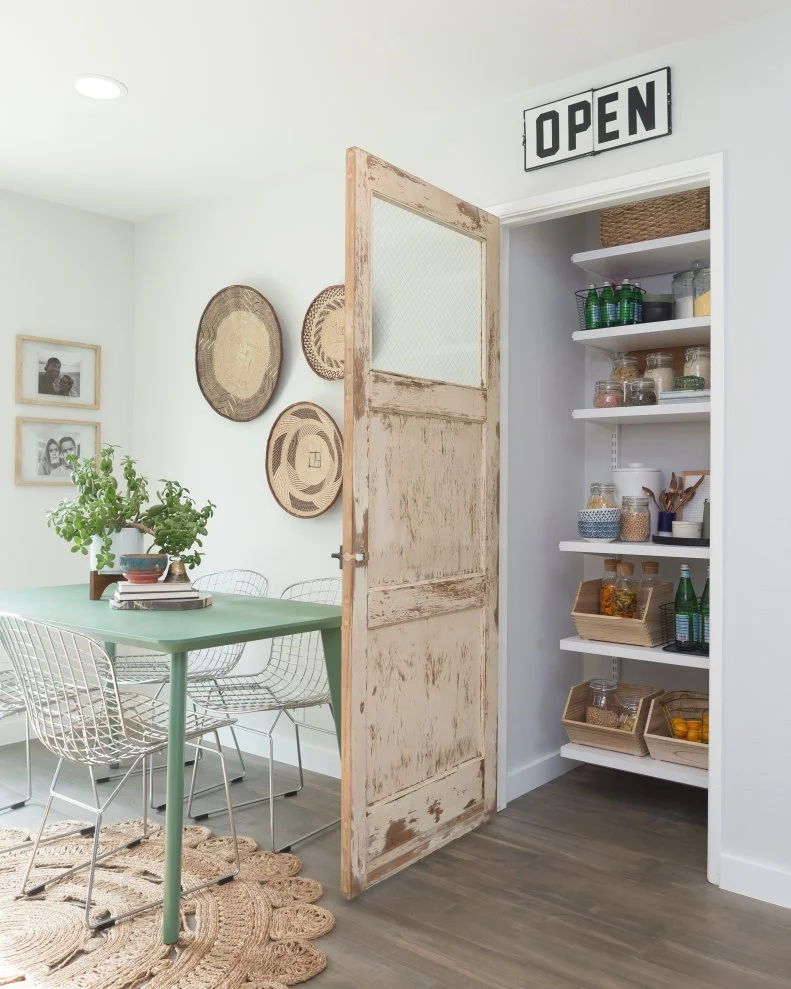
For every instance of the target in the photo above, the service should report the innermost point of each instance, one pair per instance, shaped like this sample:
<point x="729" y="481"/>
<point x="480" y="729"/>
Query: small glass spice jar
<point x="701" y="289"/>
<point x="627" y="588"/>
<point x="697" y="362"/>
<point x="659" y="366"/>
<point x="630" y="708"/>
<point x="608" y="395"/>
<point x="640" y="391"/>
<point x="603" y="707"/>
<point x="624" y="368"/>
<point x="635" y="519"/>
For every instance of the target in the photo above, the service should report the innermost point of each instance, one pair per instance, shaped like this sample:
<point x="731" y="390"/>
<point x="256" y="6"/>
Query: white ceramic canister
<point x="125" y="541"/>
<point x="632" y="479"/>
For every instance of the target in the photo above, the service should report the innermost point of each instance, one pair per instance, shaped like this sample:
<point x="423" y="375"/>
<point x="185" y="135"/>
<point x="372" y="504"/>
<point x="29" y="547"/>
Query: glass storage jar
<point x="627" y="587"/>
<point x="641" y="391"/>
<point x="688" y="382"/>
<point x="683" y="299"/>
<point x="701" y="289"/>
<point x="608" y="395"/>
<point x="607" y="592"/>
<point x="630" y="708"/>
<point x="602" y="495"/>
<point x="649" y="579"/>
<point x="603" y="708"/>
<point x="659" y="366"/>
<point x="624" y="368"/>
<point x="697" y="362"/>
<point x="635" y="519"/>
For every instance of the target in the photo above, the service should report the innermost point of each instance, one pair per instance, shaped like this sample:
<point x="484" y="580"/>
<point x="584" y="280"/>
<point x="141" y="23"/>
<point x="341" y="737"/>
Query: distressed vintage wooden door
<point x="421" y="492"/>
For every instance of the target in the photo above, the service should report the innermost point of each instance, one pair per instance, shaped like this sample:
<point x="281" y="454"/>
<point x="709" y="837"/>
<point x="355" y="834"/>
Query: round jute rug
<point x="256" y="932"/>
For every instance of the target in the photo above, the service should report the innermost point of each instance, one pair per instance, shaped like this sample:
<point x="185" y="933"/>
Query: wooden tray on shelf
<point x="647" y="631"/>
<point x="615" y="739"/>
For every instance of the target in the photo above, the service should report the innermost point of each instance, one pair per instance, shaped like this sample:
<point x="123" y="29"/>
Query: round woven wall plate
<point x="304" y="460"/>
<point x="323" y="333"/>
<point x="238" y="352"/>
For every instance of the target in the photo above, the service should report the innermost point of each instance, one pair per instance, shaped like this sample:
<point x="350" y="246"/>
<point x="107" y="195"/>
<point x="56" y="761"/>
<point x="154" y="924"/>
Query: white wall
<point x="729" y="95"/>
<point x="64" y="274"/>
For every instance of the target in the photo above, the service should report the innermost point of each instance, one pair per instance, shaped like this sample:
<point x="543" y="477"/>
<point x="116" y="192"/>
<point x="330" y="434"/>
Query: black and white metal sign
<point x="627" y="112"/>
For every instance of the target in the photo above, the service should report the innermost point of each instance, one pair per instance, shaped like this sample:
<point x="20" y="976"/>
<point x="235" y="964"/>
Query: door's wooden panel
<point x="416" y="395"/>
<point x="395" y="826"/>
<point x="429" y="524"/>
<point x="407" y="602"/>
<point x="424" y="700"/>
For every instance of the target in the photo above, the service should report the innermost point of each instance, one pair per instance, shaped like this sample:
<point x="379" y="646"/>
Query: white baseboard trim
<point x="536" y="773"/>
<point x="319" y="751"/>
<point x="758" y="880"/>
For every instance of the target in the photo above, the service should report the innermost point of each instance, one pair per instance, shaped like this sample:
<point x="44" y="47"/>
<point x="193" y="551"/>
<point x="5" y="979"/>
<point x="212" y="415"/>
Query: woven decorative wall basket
<point x="304" y="460"/>
<point x="238" y="352"/>
<point x="323" y="333"/>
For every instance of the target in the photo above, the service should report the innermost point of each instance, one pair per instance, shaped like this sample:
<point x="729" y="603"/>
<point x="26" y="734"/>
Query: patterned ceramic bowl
<point x="599" y="525"/>
<point x="143" y="568"/>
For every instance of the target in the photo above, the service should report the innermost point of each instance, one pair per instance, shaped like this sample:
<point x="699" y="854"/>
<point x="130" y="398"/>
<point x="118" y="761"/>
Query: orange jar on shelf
<point x="607" y="593"/>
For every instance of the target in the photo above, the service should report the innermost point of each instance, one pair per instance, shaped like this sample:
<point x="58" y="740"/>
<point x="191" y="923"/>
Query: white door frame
<point x="675" y="177"/>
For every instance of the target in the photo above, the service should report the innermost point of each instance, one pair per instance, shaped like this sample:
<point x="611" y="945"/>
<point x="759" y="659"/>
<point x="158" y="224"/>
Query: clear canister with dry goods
<point x="603" y="708"/>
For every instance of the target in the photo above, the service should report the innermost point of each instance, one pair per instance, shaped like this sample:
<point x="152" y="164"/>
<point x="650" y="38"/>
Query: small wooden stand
<point x="99" y="582"/>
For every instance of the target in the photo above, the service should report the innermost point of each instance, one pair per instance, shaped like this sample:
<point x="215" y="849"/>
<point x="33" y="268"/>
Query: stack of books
<point x="159" y="592"/>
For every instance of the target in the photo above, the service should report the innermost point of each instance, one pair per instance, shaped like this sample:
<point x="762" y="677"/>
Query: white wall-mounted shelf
<point x="647" y="414"/>
<point x="654" y="655"/>
<point x="647" y="257"/>
<point x="642" y="765"/>
<point x="668" y="333"/>
<point x="636" y="549"/>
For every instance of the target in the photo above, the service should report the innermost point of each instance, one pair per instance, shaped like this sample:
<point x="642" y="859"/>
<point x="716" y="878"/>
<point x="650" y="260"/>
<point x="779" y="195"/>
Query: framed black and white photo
<point x="43" y="445"/>
<point x="57" y="372"/>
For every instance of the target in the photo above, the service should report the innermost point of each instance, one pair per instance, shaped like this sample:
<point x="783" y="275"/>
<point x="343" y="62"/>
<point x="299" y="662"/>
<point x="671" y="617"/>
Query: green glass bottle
<point x="704" y="615"/>
<point x="686" y="608"/>
<point x="637" y="313"/>
<point x="592" y="309"/>
<point x="609" y="309"/>
<point x="624" y="303"/>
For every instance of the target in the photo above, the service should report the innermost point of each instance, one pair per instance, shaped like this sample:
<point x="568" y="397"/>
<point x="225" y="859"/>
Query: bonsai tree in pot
<point x="105" y="506"/>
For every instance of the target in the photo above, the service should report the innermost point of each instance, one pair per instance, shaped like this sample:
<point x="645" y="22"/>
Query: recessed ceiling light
<point x="100" y="87"/>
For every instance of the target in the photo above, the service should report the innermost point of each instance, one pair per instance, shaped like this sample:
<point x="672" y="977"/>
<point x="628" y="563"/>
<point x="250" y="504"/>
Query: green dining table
<point x="231" y="618"/>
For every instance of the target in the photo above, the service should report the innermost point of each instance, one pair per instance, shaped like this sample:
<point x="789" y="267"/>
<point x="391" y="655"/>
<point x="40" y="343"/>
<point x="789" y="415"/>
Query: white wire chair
<point x="73" y="702"/>
<point x="211" y="663"/>
<point x="293" y="677"/>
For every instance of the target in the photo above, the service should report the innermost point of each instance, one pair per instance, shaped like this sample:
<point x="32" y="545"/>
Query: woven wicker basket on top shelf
<point x="664" y="216"/>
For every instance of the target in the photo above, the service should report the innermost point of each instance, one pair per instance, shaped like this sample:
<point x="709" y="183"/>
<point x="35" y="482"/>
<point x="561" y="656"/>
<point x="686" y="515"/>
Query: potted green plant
<point x="111" y="517"/>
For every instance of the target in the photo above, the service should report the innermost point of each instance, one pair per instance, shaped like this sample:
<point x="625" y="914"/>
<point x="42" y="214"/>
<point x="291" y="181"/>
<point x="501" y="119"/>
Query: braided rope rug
<point x="256" y="932"/>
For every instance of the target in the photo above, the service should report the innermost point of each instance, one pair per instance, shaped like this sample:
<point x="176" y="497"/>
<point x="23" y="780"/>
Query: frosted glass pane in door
<point x="426" y="283"/>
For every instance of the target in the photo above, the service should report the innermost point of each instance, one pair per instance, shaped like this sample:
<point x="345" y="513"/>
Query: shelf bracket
<point x="615" y="435"/>
<point x="616" y="669"/>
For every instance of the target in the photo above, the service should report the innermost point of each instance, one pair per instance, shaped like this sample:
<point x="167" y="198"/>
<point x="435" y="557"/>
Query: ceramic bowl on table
<point x="143" y="568"/>
<point x="599" y="525"/>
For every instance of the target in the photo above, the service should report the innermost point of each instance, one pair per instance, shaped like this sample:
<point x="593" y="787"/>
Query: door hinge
<point x="358" y="559"/>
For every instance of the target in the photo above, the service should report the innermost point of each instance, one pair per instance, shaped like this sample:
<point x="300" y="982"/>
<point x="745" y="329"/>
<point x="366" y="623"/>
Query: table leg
<point x="174" y="812"/>
<point x="331" y="640"/>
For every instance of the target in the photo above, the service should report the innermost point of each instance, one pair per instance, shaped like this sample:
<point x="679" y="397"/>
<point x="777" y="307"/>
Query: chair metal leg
<point x="29" y="772"/>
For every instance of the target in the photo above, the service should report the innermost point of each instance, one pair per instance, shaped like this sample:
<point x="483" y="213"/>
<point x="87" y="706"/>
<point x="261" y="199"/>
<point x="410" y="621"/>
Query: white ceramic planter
<point x="125" y="541"/>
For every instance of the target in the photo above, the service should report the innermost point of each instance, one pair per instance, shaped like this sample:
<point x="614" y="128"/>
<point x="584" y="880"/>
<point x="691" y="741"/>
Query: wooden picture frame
<point x="72" y="370"/>
<point x="35" y="460"/>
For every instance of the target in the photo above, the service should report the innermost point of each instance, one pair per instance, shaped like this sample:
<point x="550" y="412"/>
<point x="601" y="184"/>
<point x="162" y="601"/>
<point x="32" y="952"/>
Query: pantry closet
<point x="555" y="443"/>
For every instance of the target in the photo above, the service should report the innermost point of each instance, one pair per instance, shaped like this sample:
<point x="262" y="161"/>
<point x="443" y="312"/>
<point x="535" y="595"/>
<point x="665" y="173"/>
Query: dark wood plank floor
<point x="595" y="881"/>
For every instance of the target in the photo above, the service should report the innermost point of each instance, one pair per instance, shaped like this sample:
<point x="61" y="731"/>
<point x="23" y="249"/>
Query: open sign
<point x="627" y="112"/>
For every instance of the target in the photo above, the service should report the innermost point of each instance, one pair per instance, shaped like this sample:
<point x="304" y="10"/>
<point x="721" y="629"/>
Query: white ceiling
<point x="222" y="92"/>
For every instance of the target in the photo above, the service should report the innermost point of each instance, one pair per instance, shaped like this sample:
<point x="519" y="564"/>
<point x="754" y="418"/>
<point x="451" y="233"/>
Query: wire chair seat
<point x="257" y="692"/>
<point x="11" y="700"/>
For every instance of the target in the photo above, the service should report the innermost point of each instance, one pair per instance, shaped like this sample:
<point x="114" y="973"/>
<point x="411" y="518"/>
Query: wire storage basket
<point x="668" y="617"/>
<point x="582" y="294"/>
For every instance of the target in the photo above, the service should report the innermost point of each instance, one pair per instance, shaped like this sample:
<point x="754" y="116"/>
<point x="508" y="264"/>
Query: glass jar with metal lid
<point x="635" y="519"/>
<point x="602" y="495"/>
<point x="701" y="289"/>
<point x="608" y="395"/>
<point x="624" y="368"/>
<point x="659" y="366"/>
<point x="603" y="707"/>
<point x="697" y="362"/>
<point x="641" y="391"/>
